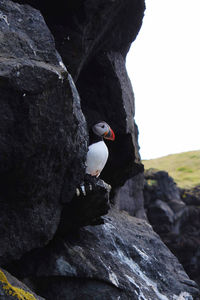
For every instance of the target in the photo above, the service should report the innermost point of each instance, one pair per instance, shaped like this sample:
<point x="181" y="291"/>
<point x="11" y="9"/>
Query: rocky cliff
<point x="175" y="215"/>
<point x="62" y="68"/>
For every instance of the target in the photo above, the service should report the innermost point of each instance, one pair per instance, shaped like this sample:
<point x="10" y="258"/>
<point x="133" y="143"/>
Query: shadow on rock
<point x="90" y="202"/>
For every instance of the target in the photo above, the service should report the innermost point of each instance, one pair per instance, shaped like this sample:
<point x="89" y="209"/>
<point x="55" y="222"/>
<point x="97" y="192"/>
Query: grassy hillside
<point x="183" y="167"/>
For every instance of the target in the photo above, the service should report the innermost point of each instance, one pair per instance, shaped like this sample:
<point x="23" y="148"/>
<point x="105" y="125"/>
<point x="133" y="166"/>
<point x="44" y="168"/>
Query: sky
<point x="164" y="67"/>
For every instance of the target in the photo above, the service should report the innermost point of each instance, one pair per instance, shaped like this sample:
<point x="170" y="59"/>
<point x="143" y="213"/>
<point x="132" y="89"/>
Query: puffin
<point x="97" y="154"/>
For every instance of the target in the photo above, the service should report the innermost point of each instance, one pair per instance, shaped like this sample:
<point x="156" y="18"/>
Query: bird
<point x="97" y="154"/>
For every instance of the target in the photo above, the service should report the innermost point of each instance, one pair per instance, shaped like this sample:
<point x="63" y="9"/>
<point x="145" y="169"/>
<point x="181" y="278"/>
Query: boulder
<point x="176" y="218"/>
<point x="161" y="216"/>
<point x="191" y="196"/>
<point x="11" y="288"/>
<point x="42" y="132"/>
<point x="159" y="185"/>
<point x="87" y="206"/>
<point x="130" y="197"/>
<point x="121" y="259"/>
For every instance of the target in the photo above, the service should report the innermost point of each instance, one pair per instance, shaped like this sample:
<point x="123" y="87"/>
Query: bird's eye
<point x="102" y="126"/>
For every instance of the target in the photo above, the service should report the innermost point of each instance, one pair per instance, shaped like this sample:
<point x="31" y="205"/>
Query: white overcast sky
<point x="164" y="67"/>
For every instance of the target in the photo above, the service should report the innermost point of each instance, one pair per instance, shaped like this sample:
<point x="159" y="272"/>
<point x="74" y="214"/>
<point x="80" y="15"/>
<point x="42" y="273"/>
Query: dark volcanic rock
<point x="162" y="201"/>
<point x="83" y="28"/>
<point x="108" y="96"/>
<point x="42" y="132"/>
<point x="93" y="38"/>
<point x="176" y="218"/>
<point x="161" y="186"/>
<point x="43" y="135"/>
<point x="130" y="197"/>
<point x="87" y="207"/>
<point x="11" y="288"/>
<point x="191" y="196"/>
<point x="122" y="259"/>
<point x="185" y="242"/>
<point x="161" y="216"/>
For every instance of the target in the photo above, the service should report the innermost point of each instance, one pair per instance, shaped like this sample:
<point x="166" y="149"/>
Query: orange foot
<point x="96" y="173"/>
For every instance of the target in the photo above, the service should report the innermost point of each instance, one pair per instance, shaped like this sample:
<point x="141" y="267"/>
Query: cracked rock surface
<point x="122" y="258"/>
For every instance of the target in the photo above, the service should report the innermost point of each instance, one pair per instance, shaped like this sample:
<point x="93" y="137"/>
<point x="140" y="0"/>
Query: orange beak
<point x="109" y="135"/>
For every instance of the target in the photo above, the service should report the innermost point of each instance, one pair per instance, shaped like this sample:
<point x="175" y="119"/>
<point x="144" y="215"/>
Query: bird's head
<point x="103" y="129"/>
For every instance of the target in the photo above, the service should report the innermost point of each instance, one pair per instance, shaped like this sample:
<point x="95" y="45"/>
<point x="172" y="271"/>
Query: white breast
<point x="96" y="158"/>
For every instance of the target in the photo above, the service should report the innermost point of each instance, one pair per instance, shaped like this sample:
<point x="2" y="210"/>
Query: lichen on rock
<point x="12" y="291"/>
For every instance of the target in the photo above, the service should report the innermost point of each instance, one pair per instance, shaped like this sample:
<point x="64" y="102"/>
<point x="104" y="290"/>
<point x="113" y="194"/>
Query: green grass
<point x="183" y="167"/>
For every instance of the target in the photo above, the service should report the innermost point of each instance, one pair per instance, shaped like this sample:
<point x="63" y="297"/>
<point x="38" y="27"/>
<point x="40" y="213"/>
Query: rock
<point x="161" y="186"/>
<point x="11" y="288"/>
<point x="130" y="197"/>
<point x="176" y="205"/>
<point x="43" y="135"/>
<point x="122" y="258"/>
<point x="177" y="221"/>
<point x="93" y="39"/>
<point x="185" y="242"/>
<point x="163" y="203"/>
<point x="191" y="196"/>
<point x="161" y="216"/>
<point x="42" y="132"/>
<point x="86" y="208"/>
<point x="84" y="28"/>
<point x="109" y="97"/>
